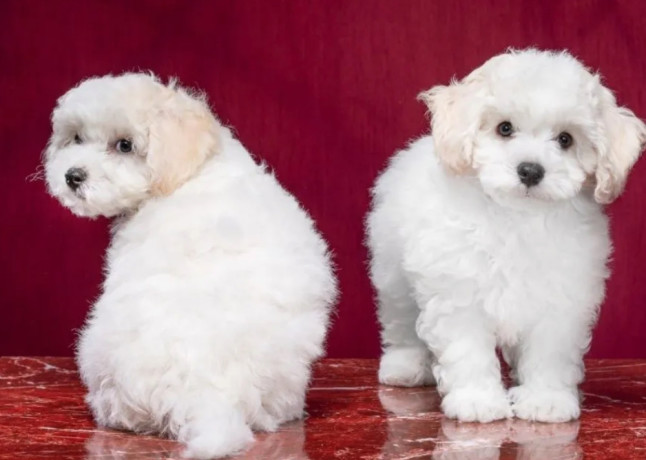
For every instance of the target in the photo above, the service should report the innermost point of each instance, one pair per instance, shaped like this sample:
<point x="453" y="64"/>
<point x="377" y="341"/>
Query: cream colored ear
<point x="183" y="135"/>
<point x="623" y="137"/>
<point x="455" y="120"/>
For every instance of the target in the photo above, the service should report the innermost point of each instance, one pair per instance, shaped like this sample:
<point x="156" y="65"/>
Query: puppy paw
<point x="544" y="404"/>
<point x="406" y="367"/>
<point x="475" y="404"/>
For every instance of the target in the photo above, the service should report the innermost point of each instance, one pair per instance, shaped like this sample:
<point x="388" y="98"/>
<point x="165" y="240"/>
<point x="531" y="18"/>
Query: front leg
<point x="548" y="369"/>
<point x="467" y="369"/>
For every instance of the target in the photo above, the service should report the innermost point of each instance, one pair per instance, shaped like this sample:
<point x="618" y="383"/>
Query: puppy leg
<point x="406" y="360"/>
<point x="210" y="426"/>
<point x="549" y="368"/>
<point x="467" y="369"/>
<point x="406" y="366"/>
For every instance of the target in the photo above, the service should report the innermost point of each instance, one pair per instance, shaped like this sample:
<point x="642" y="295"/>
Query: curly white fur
<point x="218" y="287"/>
<point x="465" y="257"/>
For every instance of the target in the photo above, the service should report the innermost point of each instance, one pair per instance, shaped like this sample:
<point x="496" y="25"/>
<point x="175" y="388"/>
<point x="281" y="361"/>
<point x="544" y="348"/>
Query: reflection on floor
<point x="43" y="416"/>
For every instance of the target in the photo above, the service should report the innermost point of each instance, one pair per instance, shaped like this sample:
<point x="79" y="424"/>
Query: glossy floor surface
<point x="43" y="416"/>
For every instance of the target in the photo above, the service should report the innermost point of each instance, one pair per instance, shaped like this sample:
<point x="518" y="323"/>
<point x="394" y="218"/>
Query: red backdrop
<point x="323" y="90"/>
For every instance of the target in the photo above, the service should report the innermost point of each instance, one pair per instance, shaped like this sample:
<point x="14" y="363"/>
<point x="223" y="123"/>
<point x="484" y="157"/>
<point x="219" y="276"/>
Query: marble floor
<point x="43" y="416"/>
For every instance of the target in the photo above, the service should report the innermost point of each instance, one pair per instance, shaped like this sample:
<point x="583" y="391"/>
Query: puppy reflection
<point x="541" y="440"/>
<point x="417" y="429"/>
<point x="409" y="401"/>
<point x="467" y="441"/>
<point x="529" y="440"/>
<point x="286" y="444"/>
<point x="117" y="445"/>
<point x="412" y="429"/>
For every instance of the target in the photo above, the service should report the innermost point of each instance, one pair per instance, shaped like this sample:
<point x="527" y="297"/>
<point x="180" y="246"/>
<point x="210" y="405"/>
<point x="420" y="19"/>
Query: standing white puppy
<point x="492" y="233"/>
<point x="218" y="287"/>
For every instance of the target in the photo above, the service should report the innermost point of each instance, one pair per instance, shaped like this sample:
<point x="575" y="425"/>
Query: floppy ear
<point x="622" y="138"/>
<point x="183" y="135"/>
<point x="455" y="120"/>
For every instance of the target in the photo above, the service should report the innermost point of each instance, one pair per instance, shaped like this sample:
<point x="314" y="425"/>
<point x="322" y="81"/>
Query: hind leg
<point x="406" y="366"/>
<point x="406" y="360"/>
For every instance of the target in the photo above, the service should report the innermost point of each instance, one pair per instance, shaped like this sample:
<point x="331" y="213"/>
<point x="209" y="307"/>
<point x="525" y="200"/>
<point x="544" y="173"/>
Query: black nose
<point x="530" y="173"/>
<point x="74" y="177"/>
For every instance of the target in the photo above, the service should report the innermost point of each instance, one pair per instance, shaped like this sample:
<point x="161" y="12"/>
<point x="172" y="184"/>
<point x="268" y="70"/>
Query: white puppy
<point x="218" y="287"/>
<point x="491" y="233"/>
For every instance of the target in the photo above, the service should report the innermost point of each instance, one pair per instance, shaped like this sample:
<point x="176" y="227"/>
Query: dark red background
<point x="323" y="90"/>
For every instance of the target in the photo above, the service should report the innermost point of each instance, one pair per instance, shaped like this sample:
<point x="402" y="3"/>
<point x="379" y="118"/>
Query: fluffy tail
<point x="211" y="427"/>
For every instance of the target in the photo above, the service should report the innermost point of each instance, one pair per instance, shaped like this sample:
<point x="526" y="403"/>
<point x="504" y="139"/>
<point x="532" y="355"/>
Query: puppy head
<point x="535" y="125"/>
<point x="117" y="141"/>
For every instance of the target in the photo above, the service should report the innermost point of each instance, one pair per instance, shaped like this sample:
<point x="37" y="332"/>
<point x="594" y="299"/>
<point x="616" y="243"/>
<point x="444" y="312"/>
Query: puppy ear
<point x="455" y="120"/>
<point x="621" y="141"/>
<point x="183" y="135"/>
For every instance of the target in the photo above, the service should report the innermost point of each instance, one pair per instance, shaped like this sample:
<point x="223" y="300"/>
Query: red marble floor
<point x="42" y="416"/>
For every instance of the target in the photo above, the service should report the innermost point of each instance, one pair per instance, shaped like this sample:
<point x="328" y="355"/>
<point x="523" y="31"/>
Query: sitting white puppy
<point x="218" y="287"/>
<point x="491" y="233"/>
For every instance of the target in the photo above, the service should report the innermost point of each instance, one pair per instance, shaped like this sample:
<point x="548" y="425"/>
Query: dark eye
<point x="505" y="129"/>
<point x="123" y="146"/>
<point x="77" y="139"/>
<point x="565" y="140"/>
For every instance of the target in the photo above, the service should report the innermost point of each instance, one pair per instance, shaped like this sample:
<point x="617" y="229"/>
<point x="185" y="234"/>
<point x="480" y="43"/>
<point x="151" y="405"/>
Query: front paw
<point x="475" y="404"/>
<point x="544" y="404"/>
